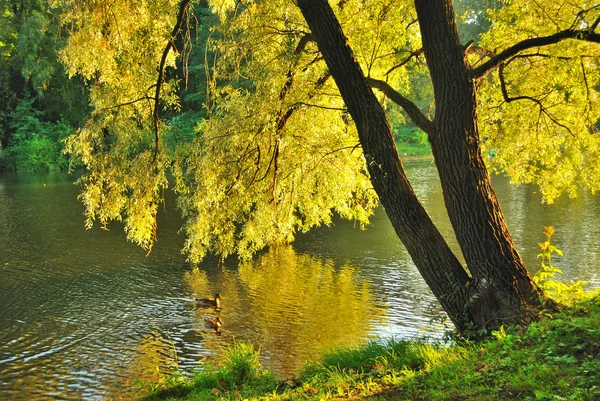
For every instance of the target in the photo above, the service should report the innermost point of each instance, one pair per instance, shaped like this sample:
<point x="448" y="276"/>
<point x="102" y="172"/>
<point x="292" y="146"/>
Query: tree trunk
<point x="429" y="251"/>
<point x="500" y="290"/>
<point x="501" y="286"/>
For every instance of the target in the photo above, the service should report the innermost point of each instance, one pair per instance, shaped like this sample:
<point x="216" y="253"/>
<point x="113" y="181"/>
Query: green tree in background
<point x="10" y="77"/>
<point x="29" y="42"/>
<point x="36" y="145"/>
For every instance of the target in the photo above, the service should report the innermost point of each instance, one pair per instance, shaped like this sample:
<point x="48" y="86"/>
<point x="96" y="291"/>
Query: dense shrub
<point x="36" y="145"/>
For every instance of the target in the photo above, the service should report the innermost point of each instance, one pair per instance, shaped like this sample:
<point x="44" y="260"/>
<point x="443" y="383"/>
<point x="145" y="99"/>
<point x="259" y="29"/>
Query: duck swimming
<point x="209" y="302"/>
<point x="213" y="322"/>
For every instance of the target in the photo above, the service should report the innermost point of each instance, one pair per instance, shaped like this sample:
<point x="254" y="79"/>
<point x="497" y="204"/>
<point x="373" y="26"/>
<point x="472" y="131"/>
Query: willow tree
<point x="295" y="132"/>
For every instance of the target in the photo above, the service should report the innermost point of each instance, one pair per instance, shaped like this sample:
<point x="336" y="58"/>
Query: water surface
<point x="84" y="314"/>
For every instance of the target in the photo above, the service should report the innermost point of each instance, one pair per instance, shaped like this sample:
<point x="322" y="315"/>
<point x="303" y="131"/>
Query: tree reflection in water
<point x="293" y="306"/>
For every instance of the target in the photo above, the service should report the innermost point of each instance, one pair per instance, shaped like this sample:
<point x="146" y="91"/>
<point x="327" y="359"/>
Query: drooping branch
<point x="582" y="14"/>
<point x="284" y="118"/>
<point x="287" y="114"/>
<point x="508" y="99"/>
<point x="579" y="34"/>
<point x="183" y="8"/>
<point x="297" y="104"/>
<point x="118" y="106"/>
<point x="304" y="40"/>
<point x="589" y="106"/>
<point x="282" y="121"/>
<point x="543" y="55"/>
<point x="415" y="114"/>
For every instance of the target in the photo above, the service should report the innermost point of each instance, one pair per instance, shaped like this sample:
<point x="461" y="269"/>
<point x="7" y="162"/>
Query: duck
<point x="208" y="302"/>
<point x="214" y="322"/>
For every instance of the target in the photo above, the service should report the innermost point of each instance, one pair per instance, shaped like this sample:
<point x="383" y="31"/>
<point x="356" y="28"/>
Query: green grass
<point x="554" y="359"/>
<point x="240" y="371"/>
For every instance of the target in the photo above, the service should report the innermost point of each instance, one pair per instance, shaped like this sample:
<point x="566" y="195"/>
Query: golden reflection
<point x="294" y="306"/>
<point x="31" y="387"/>
<point x="198" y="281"/>
<point x="155" y="357"/>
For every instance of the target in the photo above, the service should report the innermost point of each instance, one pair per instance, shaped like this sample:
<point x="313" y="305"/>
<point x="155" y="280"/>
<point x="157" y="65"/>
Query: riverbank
<point x="554" y="359"/>
<point x="414" y="152"/>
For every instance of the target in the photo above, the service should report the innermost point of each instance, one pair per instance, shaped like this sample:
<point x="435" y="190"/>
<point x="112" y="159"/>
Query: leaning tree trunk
<point x="429" y="251"/>
<point x="503" y="287"/>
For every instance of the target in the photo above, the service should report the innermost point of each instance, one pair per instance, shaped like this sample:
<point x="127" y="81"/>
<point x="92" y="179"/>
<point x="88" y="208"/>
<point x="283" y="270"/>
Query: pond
<point x="84" y="314"/>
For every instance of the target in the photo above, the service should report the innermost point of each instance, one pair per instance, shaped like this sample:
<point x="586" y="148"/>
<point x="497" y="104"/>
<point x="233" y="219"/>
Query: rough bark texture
<point x="429" y="251"/>
<point x="502" y="286"/>
<point x="500" y="289"/>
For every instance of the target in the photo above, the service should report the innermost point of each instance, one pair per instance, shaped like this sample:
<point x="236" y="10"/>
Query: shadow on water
<point x="84" y="314"/>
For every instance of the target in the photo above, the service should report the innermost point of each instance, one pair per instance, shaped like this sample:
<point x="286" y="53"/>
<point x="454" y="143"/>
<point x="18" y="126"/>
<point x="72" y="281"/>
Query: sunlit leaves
<point x="278" y="153"/>
<point x="544" y="131"/>
<point x="248" y="185"/>
<point x="116" y="46"/>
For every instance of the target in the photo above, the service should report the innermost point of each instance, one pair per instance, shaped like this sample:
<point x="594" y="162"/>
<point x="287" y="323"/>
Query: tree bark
<point x="437" y="264"/>
<point x="501" y="286"/>
<point x="500" y="290"/>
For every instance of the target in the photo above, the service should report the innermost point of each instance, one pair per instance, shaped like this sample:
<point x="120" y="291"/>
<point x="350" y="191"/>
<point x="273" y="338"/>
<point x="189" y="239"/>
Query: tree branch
<point x="283" y="118"/>
<point x="579" y="34"/>
<point x="508" y="99"/>
<point x="318" y="106"/>
<point x="304" y="40"/>
<point x="415" y="114"/>
<point x="595" y="24"/>
<point x="117" y="106"/>
<point x="415" y="53"/>
<point x="183" y="7"/>
<point x="482" y="51"/>
<point x="589" y="107"/>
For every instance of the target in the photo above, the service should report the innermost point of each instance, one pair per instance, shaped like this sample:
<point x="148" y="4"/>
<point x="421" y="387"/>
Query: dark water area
<point x="84" y="314"/>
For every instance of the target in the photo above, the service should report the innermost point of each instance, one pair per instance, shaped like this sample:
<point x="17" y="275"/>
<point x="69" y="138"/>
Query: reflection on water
<point x="292" y="306"/>
<point x="84" y="314"/>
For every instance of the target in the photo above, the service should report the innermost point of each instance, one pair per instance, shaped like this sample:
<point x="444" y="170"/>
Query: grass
<point x="240" y="370"/>
<point x="553" y="359"/>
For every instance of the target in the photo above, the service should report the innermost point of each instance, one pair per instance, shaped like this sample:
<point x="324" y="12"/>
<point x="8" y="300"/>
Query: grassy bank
<point x="554" y="359"/>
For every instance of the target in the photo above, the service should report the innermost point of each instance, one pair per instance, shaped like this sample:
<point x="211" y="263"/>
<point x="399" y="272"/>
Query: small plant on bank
<point x="374" y="358"/>
<point x="545" y="278"/>
<point x="240" y="374"/>
<point x="241" y="363"/>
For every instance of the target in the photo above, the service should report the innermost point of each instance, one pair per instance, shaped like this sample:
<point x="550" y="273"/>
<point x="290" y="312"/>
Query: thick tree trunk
<point x="500" y="290"/>
<point x="430" y="253"/>
<point x="501" y="286"/>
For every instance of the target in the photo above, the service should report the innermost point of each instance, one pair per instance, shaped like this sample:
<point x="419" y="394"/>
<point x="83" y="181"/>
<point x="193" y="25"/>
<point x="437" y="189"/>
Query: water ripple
<point x="84" y="314"/>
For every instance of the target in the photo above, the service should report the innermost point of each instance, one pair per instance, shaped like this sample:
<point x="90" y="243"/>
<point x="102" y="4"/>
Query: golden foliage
<point x="278" y="153"/>
<point x="550" y="136"/>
